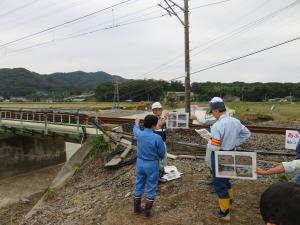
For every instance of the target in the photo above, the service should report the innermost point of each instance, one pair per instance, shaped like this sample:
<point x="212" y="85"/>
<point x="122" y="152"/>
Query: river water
<point x="22" y="186"/>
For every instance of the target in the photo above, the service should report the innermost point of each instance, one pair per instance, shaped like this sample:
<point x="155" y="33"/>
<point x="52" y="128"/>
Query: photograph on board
<point x="226" y="165"/>
<point x="243" y="166"/>
<point x="237" y="165"/>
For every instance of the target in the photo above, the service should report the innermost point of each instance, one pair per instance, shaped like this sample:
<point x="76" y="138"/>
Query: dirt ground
<point x="22" y="186"/>
<point x="99" y="196"/>
<point x="14" y="213"/>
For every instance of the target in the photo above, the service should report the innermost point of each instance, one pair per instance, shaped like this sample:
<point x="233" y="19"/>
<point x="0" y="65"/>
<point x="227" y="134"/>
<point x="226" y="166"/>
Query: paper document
<point x="171" y="173"/>
<point x="204" y="133"/>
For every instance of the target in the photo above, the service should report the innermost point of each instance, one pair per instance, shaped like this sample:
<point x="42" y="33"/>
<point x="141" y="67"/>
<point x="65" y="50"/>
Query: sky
<point x="138" y="40"/>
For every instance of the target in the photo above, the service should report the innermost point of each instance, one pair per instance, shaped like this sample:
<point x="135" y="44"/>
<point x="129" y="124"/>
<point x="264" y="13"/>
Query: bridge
<point x="33" y="139"/>
<point x="70" y="125"/>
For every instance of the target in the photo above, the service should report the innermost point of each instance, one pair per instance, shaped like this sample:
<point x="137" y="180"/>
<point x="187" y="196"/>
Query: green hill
<point x="22" y="82"/>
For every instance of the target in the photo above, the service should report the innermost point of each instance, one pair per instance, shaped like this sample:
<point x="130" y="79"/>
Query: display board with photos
<point x="177" y="120"/>
<point x="236" y="165"/>
<point x="292" y="138"/>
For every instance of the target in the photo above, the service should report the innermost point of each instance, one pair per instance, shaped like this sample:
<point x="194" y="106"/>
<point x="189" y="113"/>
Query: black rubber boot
<point x="137" y="205"/>
<point x="148" y="207"/>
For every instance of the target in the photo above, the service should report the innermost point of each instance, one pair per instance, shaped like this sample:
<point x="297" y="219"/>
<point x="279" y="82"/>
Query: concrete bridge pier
<point x="20" y="154"/>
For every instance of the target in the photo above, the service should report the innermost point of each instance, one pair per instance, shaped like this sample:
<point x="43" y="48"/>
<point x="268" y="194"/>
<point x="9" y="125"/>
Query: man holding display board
<point x="226" y="133"/>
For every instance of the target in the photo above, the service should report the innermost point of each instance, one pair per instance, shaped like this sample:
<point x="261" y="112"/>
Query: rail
<point x="82" y="120"/>
<point x="254" y="129"/>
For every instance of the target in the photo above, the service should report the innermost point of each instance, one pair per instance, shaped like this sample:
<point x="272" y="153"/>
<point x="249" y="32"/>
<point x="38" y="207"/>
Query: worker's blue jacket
<point x="150" y="146"/>
<point x="227" y="133"/>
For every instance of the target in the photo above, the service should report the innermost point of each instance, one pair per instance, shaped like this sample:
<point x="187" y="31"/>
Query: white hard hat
<point x="156" y="105"/>
<point x="216" y="103"/>
<point x="216" y="99"/>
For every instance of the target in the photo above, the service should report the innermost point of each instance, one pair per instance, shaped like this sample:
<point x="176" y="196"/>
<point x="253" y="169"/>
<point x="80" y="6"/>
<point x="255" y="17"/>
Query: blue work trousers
<point x="147" y="173"/>
<point x="221" y="185"/>
<point x="297" y="178"/>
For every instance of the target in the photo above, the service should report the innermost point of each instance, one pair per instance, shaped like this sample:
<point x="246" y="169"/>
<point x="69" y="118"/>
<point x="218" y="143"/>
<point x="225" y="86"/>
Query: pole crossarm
<point x="173" y="12"/>
<point x="185" y="23"/>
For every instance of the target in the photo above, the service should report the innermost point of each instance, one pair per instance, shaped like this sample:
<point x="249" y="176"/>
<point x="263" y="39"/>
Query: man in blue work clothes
<point x="227" y="133"/>
<point x="150" y="150"/>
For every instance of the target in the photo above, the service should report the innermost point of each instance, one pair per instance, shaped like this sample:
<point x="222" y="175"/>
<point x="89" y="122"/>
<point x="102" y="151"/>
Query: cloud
<point x="133" y="50"/>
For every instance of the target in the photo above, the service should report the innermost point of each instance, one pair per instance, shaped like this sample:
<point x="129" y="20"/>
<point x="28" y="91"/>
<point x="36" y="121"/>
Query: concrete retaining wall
<point x="20" y="154"/>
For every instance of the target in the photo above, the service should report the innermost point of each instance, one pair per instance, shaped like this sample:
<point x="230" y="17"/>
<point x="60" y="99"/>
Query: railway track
<point x="83" y="119"/>
<point x="254" y="129"/>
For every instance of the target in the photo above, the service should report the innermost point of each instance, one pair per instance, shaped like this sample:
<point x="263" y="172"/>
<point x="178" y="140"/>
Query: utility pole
<point x="185" y="23"/>
<point x="116" y="101"/>
<point x="187" y="58"/>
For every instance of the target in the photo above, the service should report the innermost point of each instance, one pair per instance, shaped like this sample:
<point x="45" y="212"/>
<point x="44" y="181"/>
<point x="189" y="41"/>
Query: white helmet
<point x="156" y="105"/>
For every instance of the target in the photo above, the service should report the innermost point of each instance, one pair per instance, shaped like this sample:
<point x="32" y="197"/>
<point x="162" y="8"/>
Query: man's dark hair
<point x="219" y="106"/>
<point x="150" y="120"/>
<point x="280" y="204"/>
<point x="222" y="110"/>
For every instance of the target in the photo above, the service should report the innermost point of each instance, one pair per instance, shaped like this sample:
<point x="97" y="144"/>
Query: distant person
<point x="280" y="204"/>
<point x="226" y="134"/>
<point x="157" y="110"/>
<point x="150" y="150"/>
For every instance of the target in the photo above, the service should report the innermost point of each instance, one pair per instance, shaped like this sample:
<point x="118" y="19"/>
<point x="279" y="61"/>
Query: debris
<point x="171" y="156"/>
<point x="118" y="158"/>
<point x="70" y="211"/>
<point x="126" y="142"/>
<point x="24" y="200"/>
<point x="128" y="194"/>
<point x="190" y="157"/>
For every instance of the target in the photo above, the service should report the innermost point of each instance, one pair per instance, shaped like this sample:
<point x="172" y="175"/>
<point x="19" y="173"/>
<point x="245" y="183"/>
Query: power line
<point x="125" y="16"/>
<point x="63" y="24"/>
<point x="223" y="63"/>
<point x="251" y="24"/>
<point x="210" y="4"/>
<point x="101" y="29"/>
<point x="18" y="8"/>
<point x="241" y="57"/>
<point x="50" y="12"/>
<point x="231" y="33"/>
<point x="85" y="33"/>
<point x="82" y="17"/>
<point x="246" y="27"/>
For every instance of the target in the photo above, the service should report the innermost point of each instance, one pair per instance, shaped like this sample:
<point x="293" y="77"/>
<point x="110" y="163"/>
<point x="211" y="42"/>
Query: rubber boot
<point x="230" y="192"/>
<point x="223" y="213"/>
<point x="137" y="209"/>
<point x="148" y="207"/>
<point x="161" y="174"/>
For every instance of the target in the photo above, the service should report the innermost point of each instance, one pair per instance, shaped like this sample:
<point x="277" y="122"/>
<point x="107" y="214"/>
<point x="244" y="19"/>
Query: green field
<point x="282" y="113"/>
<point x="286" y="113"/>
<point x="65" y="105"/>
<point x="267" y="113"/>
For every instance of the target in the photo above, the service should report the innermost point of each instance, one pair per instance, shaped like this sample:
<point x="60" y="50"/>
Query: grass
<point x="66" y="105"/>
<point x="275" y="112"/>
<point x="99" y="146"/>
<point x="285" y="113"/>
<point x="50" y="194"/>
